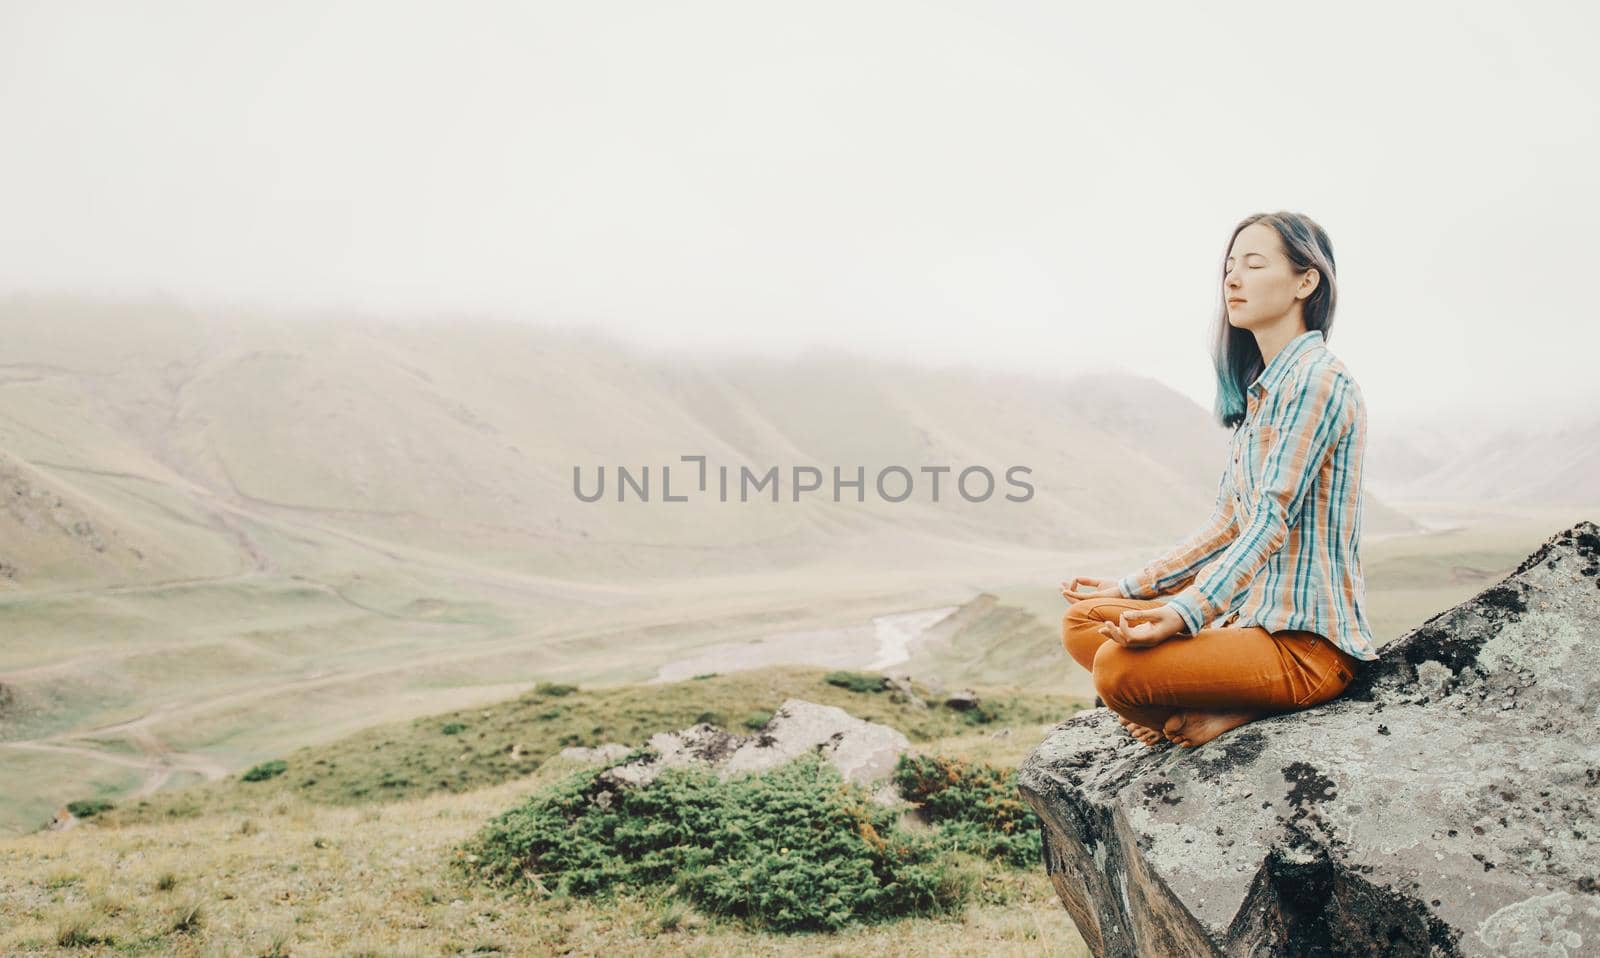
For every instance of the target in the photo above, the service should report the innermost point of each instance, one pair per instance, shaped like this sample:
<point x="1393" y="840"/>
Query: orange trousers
<point x="1217" y="670"/>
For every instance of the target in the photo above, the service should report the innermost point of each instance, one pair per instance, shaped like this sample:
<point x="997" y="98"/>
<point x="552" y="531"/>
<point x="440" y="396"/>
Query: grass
<point x="510" y="739"/>
<point x="388" y="887"/>
<point x="32" y="778"/>
<point x="276" y="868"/>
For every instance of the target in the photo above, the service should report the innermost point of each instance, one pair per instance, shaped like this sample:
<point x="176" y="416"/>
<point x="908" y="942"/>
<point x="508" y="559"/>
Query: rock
<point x="901" y="690"/>
<point x="1414" y="815"/>
<point x="702" y="744"/>
<point x="963" y="700"/>
<point x="608" y="752"/>
<point x="864" y="752"/>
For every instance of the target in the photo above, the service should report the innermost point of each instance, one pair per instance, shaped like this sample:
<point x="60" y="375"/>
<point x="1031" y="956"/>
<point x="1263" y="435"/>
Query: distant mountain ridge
<point x="1555" y="462"/>
<point x="170" y="435"/>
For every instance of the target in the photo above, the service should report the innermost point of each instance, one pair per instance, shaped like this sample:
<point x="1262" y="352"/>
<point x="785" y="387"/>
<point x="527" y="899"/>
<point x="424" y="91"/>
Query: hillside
<point x="293" y="863"/>
<point x="1551" y="458"/>
<point x="460" y="439"/>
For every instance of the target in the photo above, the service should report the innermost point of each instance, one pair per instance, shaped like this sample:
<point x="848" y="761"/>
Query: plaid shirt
<point x="1282" y="547"/>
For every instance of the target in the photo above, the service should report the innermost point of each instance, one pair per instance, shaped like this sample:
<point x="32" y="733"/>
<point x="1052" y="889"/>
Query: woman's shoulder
<point x="1319" y="384"/>
<point x="1321" y="372"/>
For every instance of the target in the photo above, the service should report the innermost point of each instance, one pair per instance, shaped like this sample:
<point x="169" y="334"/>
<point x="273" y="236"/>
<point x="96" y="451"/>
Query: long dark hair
<point x="1235" y="354"/>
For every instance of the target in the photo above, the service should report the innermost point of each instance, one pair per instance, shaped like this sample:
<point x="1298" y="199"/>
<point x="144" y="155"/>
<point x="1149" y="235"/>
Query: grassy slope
<point x="351" y="865"/>
<point x="512" y="738"/>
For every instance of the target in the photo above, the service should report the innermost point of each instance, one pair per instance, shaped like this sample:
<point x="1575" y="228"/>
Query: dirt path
<point x="158" y="761"/>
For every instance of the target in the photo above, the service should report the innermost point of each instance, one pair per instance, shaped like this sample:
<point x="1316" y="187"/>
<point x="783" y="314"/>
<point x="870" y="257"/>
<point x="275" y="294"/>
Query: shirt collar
<point x="1284" y="361"/>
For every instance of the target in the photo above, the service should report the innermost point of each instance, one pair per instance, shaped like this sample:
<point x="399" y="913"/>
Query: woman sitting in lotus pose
<point x="1261" y="610"/>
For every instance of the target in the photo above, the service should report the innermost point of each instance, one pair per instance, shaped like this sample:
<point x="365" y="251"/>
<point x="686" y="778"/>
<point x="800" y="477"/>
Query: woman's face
<point x="1259" y="283"/>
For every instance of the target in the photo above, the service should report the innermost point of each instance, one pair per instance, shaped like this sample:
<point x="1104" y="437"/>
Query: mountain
<point x="171" y="444"/>
<point x="1553" y="461"/>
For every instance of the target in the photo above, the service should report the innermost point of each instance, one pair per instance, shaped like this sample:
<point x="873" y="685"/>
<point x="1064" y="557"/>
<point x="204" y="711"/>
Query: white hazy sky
<point x="1037" y="186"/>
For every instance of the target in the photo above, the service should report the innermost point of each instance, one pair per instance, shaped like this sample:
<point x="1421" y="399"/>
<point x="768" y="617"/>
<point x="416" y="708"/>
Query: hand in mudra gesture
<point x="1142" y="628"/>
<point x="1135" y="628"/>
<point x="1089" y="587"/>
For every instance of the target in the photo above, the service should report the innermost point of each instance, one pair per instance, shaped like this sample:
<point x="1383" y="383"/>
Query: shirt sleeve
<point x="1172" y="572"/>
<point x="1311" y="417"/>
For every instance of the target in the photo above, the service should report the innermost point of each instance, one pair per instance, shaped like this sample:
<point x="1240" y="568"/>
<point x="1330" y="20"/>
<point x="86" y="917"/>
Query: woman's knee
<point x="1080" y="632"/>
<point x="1114" y="670"/>
<point x="1080" y="617"/>
<point x="1081" y="612"/>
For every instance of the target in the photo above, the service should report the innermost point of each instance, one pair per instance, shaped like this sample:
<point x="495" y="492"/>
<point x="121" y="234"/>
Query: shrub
<point x="796" y="848"/>
<point x="976" y="807"/>
<point x="89" y="807"/>
<point x="981" y="714"/>
<point x="553" y="689"/>
<point x="266" y="770"/>
<point x="756" y="721"/>
<point x="453" y="728"/>
<point x="856" y="681"/>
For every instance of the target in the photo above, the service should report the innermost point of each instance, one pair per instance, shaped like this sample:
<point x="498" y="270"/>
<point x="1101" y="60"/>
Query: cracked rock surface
<point x="1444" y="805"/>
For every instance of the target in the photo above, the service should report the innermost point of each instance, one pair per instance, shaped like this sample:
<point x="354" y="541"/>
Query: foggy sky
<point x="1041" y="187"/>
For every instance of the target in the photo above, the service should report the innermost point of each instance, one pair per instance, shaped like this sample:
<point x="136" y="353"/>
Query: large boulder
<point x="1444" y="805"/>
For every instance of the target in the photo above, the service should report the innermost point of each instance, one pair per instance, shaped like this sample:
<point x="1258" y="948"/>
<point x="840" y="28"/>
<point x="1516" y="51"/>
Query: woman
<point x="1261" y="610"/>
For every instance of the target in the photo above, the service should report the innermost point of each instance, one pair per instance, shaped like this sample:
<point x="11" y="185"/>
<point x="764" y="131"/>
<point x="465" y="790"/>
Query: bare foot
<point x="1143" y="733"/>
<point x="1190" y="729"/>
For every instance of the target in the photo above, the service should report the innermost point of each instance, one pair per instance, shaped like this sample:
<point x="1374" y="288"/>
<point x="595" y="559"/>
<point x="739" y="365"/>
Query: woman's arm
<point x="1311" y="418"/>
<point x="1173" y="571"/>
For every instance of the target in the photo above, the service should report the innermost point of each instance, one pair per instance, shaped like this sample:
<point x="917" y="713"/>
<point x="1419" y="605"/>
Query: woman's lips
<point x="1235" y="300"/>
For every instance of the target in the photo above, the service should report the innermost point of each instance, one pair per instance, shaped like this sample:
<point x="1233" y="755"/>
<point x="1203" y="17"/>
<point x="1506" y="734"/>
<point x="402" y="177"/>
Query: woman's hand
<point x="1089" y="587"/>
<point x="1142" y="628"/>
